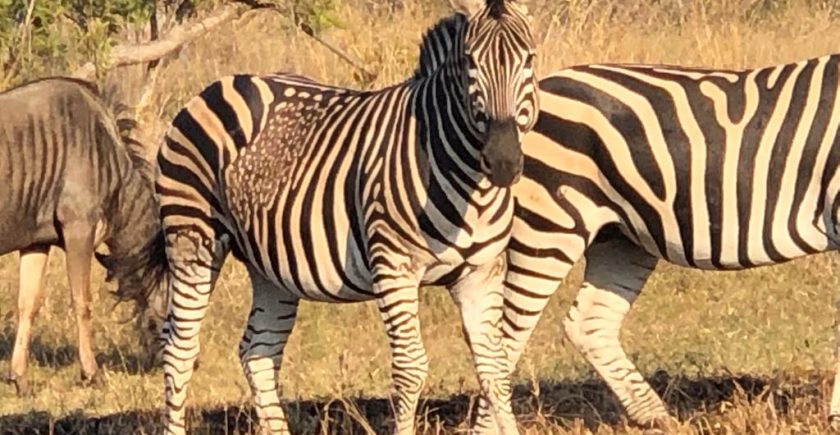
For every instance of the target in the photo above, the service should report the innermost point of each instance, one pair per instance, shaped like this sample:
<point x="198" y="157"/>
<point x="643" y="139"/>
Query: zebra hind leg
<point x="194" y="262"/>
<point x="616" y="271"/>
<point x="271" y="321"/>
<point x="480" y="298"/>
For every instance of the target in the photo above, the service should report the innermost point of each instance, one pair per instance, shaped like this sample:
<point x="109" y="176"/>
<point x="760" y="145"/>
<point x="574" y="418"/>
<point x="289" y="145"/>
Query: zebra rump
<point x="709" y="169"/>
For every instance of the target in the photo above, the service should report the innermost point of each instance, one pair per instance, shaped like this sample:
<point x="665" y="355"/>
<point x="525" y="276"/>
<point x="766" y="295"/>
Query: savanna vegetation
<point x="734" y="352"/>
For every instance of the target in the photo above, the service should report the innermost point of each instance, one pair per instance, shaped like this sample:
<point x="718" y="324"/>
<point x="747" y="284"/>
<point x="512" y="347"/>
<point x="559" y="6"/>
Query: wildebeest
<point x="69" y="179"/>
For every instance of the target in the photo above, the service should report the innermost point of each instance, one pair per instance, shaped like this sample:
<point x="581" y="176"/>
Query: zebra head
<point x="501" y="85"/>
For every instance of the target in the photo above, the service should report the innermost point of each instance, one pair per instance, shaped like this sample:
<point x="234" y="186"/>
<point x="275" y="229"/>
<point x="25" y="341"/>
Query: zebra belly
<point x="305" y="261"/>
<point x="769" y="249"/>
<point x="313" y="271"/>
<point x="301" y="236"/>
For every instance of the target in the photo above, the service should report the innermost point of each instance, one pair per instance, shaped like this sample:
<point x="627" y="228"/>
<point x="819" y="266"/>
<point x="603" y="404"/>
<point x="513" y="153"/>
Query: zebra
<point x="334" y="195"/>
<point x="708" y="169"/>
<point x="70" y="180"/>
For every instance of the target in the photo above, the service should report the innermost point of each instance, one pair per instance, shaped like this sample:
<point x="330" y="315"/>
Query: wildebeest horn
<point x="108" y="263"/>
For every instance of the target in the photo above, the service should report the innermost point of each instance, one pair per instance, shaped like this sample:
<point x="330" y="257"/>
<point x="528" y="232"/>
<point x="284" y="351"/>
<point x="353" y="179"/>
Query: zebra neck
<point x="451" y="141"/>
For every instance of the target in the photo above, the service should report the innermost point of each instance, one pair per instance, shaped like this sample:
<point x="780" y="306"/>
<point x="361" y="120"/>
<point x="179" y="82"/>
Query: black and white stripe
<point x="334" y="195"/>
<point x="715" y="170"/>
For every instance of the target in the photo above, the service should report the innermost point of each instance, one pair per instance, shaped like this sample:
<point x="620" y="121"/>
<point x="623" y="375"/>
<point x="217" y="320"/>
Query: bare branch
<point x="129" y="54"/>
<point x="141" y="53"/>
<point x="367" y="76"/>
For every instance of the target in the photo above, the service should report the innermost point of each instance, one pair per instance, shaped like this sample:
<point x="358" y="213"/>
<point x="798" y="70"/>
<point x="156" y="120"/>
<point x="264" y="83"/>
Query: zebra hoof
<point x="834" y="423"/>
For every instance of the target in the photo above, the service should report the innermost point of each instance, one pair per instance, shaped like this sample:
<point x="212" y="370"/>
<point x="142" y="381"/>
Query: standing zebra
<point x="715" y="170"/>
<point x="333" y="195"/>
<point x="70" y="180"/>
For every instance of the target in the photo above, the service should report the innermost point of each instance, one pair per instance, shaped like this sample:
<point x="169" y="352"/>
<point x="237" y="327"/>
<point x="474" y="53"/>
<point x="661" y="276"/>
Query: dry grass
<point x="733" y="353"/>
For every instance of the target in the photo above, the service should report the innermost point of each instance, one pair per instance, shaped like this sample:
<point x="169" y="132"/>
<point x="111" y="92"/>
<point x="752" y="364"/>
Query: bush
<point x="41" y="37"/>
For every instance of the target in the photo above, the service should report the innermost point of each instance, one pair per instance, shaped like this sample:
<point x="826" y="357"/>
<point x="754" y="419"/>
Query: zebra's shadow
<point x="559" y="404"/>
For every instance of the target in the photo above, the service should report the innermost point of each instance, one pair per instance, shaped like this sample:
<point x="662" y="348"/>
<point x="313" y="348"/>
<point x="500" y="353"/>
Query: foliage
<point x="760" y="10"/>
<point x="39" y="37"/>
<point x="316" y="15"/>
<point x="48" y="36"/>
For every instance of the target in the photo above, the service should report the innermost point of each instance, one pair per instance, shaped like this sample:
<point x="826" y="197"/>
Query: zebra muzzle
<point x="502" y="154"/>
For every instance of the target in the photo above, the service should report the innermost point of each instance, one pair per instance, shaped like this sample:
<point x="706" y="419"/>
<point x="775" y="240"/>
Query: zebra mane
<point x="495" y="8"/>
<point x="437" y="45"/>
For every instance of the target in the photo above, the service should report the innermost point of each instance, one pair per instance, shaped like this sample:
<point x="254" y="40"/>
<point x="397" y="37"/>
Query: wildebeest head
<point x="142" y="278"/>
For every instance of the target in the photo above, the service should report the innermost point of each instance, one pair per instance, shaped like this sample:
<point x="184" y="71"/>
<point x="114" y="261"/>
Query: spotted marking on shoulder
<point x="256" y="178"/>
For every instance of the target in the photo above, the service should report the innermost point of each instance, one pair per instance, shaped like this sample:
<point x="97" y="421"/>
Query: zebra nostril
<point x="505" y="173"/>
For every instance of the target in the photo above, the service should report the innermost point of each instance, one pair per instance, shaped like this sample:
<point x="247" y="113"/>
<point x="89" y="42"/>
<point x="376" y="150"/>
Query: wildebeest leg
<point x="78" y="242"/>
<point x="33" y="261"/>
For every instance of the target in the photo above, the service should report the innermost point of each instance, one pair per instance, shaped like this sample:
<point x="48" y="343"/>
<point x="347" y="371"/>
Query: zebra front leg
<point x="272" y="319"/>
<point x="479" y="296"/>
<point x="194" y="262"/>
<point x="616" y="271"/>
<point x="33" y="261"/>
<point x="396" y="298"/>
<point x="532" y="277"/>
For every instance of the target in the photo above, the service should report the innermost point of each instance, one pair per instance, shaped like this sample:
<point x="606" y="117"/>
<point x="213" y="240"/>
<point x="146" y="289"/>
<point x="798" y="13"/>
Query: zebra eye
<point x="478" y="110"/>
<point x="478" y="106"/>
<point x="524" y="116"/>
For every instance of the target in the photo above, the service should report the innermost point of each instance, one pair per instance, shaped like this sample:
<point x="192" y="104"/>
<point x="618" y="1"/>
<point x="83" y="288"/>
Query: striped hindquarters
<point x="710" y="169"/>
<point x="204" y="138"/>
<point x="707" y="169"/>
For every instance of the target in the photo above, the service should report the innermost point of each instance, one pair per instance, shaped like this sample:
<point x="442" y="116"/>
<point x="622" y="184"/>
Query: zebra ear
<point x="467" y="7"/>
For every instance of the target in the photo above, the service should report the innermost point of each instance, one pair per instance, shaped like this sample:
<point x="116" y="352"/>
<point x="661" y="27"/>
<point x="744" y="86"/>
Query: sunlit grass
<point x="772" y="323"/>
